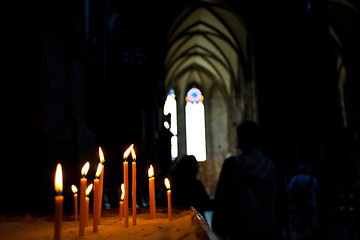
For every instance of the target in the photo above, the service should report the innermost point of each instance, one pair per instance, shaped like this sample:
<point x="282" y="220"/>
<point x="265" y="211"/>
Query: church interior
<point x="176" y="78"/>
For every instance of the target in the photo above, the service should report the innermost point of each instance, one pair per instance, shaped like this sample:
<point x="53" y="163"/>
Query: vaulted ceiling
<point x="207" y="45"/>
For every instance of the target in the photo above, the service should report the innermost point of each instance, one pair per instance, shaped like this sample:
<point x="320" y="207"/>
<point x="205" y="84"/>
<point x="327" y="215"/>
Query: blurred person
<point x="245" y="199"/>
<point x="187" y="189"/>
<point x="304" y="187"/>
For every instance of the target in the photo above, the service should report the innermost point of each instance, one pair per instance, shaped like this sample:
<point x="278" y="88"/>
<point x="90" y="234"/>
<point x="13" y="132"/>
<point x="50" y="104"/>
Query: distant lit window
<point x="309" y="6"/>
<point x="170" y="107"/>
<point x="195" y="124"/>
<point x="194" y="96"/>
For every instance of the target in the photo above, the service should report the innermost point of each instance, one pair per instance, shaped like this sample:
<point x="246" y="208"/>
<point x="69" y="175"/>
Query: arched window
<point x="195" y="124"/>
<point x="170" y="107"/>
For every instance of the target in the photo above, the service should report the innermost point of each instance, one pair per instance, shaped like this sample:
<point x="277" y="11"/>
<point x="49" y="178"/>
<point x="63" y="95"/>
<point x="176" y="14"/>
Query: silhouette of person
<point x="246" y="191"/>
<point x="187" y="189"/>
<point x="304" y="187"/>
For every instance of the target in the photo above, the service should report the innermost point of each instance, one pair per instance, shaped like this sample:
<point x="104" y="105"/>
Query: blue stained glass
<point x="194" y="95"/>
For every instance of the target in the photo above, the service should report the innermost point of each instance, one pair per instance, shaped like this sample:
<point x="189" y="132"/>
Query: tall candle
<point x="152" y="192"/>
<point x="167" y="184"/>
<point x="83" y="183"/>
<point x="102" y="161"/>
<point x="133" y="186"/>
<point x="87" y="211"/>
<point x="126" y="184"/>
<point x="59" y="199"/>
<point x="150" y="197"/>
<point x="88" y="190"/>
<point x="97" y="195"/>
<point x="126" y="195"/>
<point x="121" y="203"/>
<point x="75" y="190"/>
<point x="96" y="205"/>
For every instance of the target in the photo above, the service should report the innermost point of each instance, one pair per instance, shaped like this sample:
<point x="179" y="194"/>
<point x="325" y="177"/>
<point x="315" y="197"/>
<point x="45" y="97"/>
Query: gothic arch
<point x="209" y="46"/>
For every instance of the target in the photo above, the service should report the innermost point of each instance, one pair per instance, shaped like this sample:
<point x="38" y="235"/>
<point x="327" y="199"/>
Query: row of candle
<point x="98" y="192"/>
<point x="151" y="197"/>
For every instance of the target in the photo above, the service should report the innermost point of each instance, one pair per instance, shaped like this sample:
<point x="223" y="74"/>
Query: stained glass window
<point x="170" y="107"/>
<point x="194" y="95"/>
<point x="195" y="124"/>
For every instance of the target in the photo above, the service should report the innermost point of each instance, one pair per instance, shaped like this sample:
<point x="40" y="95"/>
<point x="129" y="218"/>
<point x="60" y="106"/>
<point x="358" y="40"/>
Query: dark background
<point x="67" y="90"/>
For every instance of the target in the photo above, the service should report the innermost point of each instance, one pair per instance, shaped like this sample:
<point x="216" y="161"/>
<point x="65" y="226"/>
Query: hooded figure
<point x="246" y="191"/>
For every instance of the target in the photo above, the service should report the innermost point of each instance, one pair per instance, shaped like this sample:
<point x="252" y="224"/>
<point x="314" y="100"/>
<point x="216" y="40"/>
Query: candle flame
<point x="85" y="169"/>
<point x="74" y="189"/>
<point x="122" y="192"/>
<point x="151" y="171"/>
<point x="133" y="154"/>
<point x="101" y="156"/>
<point x="127" y="152"/>
<point x="99" y="170"/>
<point x="58" y="179"/>
<point x="88" y="189"/>
<point x="167" y="183"/>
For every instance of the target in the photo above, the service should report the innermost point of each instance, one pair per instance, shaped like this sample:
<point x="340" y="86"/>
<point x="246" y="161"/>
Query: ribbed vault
<point x="206" y="44"/>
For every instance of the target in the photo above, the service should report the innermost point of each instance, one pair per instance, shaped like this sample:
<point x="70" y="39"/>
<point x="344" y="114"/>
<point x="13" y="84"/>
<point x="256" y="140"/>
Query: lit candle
<point x="58" y="201"/>
<point x="102" y="161"/>
<point x="97" y="201"/>
<point x="167" y="184"/>
<point x="126" y="184"/>
<point x="133" y="186"/>
<point x="121" y="203"/>
<point x="83" y="183"/>
<point x="88" y="190"/>
<point x="152" y="192"/>
<point x="75" y="190"/>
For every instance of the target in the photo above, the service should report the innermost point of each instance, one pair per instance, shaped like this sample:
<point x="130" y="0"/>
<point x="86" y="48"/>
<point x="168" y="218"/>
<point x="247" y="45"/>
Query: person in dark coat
<point x="187" y="190"/>
<point x="246" y="191"/>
